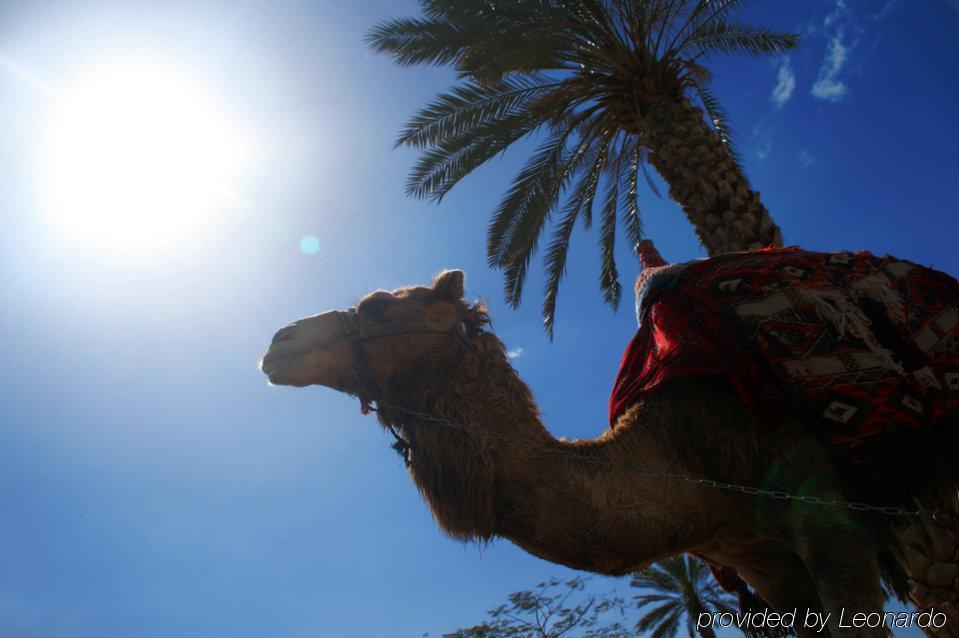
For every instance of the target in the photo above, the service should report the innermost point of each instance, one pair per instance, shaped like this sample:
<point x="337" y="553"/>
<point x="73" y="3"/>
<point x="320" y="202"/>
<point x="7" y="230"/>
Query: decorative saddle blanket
<point x="862" y="345"/>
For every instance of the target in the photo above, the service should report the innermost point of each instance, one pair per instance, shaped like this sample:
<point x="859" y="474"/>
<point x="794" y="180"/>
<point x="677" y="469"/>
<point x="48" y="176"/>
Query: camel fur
<point x="582" y="503"/>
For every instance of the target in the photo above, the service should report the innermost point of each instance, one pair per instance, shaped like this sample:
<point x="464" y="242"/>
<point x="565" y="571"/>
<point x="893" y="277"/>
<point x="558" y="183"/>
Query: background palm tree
<point x="603" y="85"/>
<point x="679" y="589"/>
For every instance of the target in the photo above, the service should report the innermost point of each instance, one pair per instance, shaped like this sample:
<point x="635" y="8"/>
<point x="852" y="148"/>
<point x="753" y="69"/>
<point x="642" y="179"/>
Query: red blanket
<point x="862" y="345"/>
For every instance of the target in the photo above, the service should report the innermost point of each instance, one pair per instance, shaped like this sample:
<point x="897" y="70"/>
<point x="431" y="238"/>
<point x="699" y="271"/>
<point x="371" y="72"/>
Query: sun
<point x="138" y="160"/>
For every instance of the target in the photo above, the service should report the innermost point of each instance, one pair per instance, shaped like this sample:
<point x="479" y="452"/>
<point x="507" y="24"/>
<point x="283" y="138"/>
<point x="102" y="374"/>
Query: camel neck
<point x="575" y="503"/>
<point x="579" y="504"/>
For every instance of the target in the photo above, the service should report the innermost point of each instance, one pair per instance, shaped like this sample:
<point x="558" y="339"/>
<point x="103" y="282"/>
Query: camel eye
<point x="377" y="303"/>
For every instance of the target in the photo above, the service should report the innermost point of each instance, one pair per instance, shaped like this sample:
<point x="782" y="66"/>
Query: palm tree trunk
<point x="705" y="180"/>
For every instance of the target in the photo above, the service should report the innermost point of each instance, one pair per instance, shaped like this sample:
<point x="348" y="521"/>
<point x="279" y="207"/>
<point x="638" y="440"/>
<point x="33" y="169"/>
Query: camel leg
<point x="785" y="584"/>
<point x="843" y="567"/>
<point x="931" y="557"/>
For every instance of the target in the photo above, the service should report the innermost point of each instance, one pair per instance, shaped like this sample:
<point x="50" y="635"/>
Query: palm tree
<point x="681" y="587"/>
<point x="602" y="86"/>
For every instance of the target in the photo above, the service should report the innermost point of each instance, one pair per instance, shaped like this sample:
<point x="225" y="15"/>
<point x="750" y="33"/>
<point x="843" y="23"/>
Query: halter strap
<point x="356" y="335"/>
<point x="361" y="365"/>
<point x="351" y="326"/>
<point x="389" y="329"/>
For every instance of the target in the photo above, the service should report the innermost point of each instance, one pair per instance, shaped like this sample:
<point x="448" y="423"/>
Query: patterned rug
<point x="862" y="345"/>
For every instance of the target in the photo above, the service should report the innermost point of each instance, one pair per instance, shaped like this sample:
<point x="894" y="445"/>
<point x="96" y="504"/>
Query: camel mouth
<point x="292" y="357"/>
<point x="287" y="370"/>
<point x="271" y="367"/>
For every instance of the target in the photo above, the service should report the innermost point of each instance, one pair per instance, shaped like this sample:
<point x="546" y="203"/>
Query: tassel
<point x="649" y="257"/>
<point x="650" y="260"/>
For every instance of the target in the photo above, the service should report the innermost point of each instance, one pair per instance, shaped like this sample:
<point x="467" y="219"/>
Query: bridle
<point x="462" y="331"/>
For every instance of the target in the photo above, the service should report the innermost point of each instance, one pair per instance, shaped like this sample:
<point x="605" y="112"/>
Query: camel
<point x="487" y="466"/>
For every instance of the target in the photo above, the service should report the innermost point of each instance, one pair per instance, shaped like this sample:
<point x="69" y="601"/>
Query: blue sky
<point x="152" y="484"/>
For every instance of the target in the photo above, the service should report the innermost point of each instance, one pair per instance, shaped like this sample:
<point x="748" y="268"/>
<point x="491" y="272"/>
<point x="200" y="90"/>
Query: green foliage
<point x="676" y="590"/>
<point x="555" y="608"/>
<point x="671" y="595"/>
<point x="579" y="74"/>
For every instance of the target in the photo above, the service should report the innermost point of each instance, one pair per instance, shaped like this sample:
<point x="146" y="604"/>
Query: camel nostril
<point x="283" y="334"/>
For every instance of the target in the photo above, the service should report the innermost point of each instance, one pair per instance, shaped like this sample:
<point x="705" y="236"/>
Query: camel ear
<point x="450" y="285"/>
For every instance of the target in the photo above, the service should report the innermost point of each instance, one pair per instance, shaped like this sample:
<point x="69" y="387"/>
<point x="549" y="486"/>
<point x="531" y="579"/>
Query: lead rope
<point x="404" y="445"/>
<point x="403" y="448"/>
<point x="401" y="445"/>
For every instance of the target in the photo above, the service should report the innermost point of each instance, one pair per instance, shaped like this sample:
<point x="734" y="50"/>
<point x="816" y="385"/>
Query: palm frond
<point x="411" y="41"/>
<point x="705" y="12"/>
<point x="659" y="19"/>
<point x="530" y="219"/>
<point x="506" y="37"/>
<point x="511" y="12"/>
<point x="440" y="168"/>
<point x="556" y="261"/>
<point x="526" y="188"/>
<point x="580" y="202"/>
<point x="595" y="173"/>
<point x="525" y="51"/>
<point x="443" y="165"/>
<point x="656" y="615"/>
<point x="722" y="605"/>
<point x="737" y="37"/>
<point x="677" y="568"/>
<point x="653" y="577"/>
<point x="609" y="276"/>
<point x="457" y="9"/>
<point x="630" y="201"/>
<point x="683" y="581"/>
<point x="534" y="186"/>
<point x="698" y="572"/>
<point x="468" y="107"/>
<point x="667" y="628"/>
<point x="648" y="599"/>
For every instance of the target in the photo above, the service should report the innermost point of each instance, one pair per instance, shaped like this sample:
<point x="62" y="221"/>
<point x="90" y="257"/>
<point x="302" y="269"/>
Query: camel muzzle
<point x="293" y="342"/>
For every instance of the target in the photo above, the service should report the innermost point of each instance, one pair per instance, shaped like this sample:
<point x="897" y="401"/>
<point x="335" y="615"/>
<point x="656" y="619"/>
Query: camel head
<point x="388" y="337"/>
<point x="419" y="348"/>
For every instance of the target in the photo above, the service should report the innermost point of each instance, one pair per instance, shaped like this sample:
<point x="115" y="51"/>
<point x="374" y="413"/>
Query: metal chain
<point x="720" y="485"/>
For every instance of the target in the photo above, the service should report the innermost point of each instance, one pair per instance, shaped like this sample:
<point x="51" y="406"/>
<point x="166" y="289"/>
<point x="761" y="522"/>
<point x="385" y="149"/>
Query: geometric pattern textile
<point x="861" y="345"/>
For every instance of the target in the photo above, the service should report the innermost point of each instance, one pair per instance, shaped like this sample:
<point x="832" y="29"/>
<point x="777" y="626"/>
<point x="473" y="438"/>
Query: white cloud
<point x="761" y="137"/>
<point x="785" y="83"/>
<point x="836" y="13"/>
<point x="805" y="158"/>
<point x="514" y="353"/>
<point x="887" y="9"/>
<point x="763" y="149"/>
<point x="828" y="86"/>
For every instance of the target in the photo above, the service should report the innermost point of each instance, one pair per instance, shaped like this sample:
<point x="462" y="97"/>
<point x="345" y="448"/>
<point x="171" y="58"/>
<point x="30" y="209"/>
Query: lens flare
<point x="309" y="244"/>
